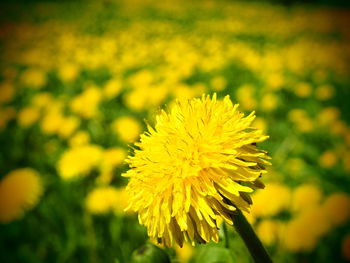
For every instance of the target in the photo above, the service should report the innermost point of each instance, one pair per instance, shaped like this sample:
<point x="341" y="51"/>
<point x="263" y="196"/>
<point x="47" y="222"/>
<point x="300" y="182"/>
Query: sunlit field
<point x="78" y="80"/>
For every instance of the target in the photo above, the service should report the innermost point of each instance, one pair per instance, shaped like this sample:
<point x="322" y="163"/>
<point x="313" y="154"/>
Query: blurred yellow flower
<point x="68" y="126"/>
<point x="27" y="116"/>
<point x="328" y="159"/>
<point x="303" y="231"/>
<point x="79" y="138"/>
<point x="303" y="90"/>
<point x="306" y="196"/>
<point x="260" y="123"/>
<point x="246" y="97"/>
<point x="20" y="190"/>
<point x="296" y="236"/>
<point x="112" y="88"/>
<point x="328" y="116"/>
<point x="301" y="119"/>
<point x="51" y="122"/>
<point x="184" y="253"/>
<point x="339" y="127"/>
<point x="136" y="99"/>
<point x="33" y="78"/>
<point x="113" y="157"/>
<point x="267" y="230"/>
<point x="324" y="92"/>
<point x="102" y="200"/>
<point x="218" y="83"/>
<point x="183" y="92"/>
<point x="68" y="72"/>
<point x="79" y="161"/>
<point x="86" y="104"/>
<point x="7" y="92"/>
<point x="123" y="201"/>
<point x="269" y="102"/>
<point x="272" y="200"/>
<point x="42" y="100"/>
<point x="198" y="154"/>
<point x="127" y="128"/>
<point x="316" y="219"/>
<point x="337" y="207"/>
<point x="295" y="115"/>
<point x="275" y="81"/>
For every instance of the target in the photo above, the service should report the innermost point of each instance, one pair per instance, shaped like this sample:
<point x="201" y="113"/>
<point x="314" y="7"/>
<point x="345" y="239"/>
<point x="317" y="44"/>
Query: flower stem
<point x="250" y="239"/>
<point x="227" y="245"/>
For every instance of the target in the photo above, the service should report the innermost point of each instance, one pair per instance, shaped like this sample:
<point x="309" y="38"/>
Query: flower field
<point x="81" y="81"/>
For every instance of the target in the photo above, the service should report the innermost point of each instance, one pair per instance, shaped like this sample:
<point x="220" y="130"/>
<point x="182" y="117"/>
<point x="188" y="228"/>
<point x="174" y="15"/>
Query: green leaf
<point x="150" y="254"/>
<point x="214" y="255"/>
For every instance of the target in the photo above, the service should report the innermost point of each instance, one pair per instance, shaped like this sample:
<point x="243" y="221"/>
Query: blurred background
<point x="78" y="79"/>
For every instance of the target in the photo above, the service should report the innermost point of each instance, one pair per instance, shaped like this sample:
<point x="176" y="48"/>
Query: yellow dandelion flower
<point x="316" y="219"/>
<point x="260" y="123"/>
<point x="136" y="99"/>
<point x="328" y="116"/>
<point x="79" y="138"/>
<point x="269" y="102"/>
<point x="339" y="127"/>
<point x="86" y="104"/>
<point x="27" y="116"/>
<point x="20" y="190"/>
<point x="296" y="236"/>
<point x="295" y="115"/>
<point x="127" y="128"/>
<point x="33" y="78"/>
<point x="113" y="157"/>
<point x="7" y="92"/>
<point x="123" y="201"/>
<point x="79" y="161"/>
<point x="102" y="200"/>
<point x="306" y="196"/>
<point x="51" y="122"/>
<point x="275" y="81"/>
<point x="246" y="96"/>
<point x="68" y="72"/>
<point x="337" y="207"/>
<point x="218" y="83"/>
<point x="42" y="100"/>
<point x="303" y="90"/>
<point x="199" y="155"/>
<point x="68" y="126"/>
<point x="184" y="253"/>
<point x="267" y="230"/>
<point x="112" y="88"/>
<point x="328" y="159"/>
<point x="324" y="92"/>
<point x="266" y="203"/>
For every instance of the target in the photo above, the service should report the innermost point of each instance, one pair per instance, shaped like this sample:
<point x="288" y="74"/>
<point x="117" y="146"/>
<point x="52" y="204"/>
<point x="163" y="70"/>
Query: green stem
<point x="224" y="228"/>
<point x="250" y="239"/>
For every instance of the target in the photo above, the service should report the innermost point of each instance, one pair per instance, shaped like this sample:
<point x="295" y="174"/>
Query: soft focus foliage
<point x="78" y="79"/>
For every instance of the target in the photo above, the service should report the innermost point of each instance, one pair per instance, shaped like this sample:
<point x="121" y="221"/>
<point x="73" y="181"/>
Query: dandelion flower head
<point x="20" y="190"/>
<point x="200" y="154"/>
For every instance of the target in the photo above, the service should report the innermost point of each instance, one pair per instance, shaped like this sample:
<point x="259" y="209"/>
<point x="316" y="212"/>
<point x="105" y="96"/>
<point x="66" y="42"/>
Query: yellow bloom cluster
<point x="312" y="215"/>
